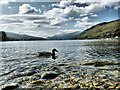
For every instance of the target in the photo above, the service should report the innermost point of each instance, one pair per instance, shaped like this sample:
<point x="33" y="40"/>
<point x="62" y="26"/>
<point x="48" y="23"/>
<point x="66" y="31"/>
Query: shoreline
<point x="63" y="40"/>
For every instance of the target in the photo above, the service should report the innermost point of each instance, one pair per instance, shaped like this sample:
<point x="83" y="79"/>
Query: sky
<point x="48" y="18"/>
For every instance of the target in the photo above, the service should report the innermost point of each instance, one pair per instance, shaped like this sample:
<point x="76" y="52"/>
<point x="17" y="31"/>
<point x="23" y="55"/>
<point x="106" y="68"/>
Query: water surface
<point x="18" y="54"/>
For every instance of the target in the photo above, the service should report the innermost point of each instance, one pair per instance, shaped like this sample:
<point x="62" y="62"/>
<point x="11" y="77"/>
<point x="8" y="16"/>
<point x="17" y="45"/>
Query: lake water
<point x="25" y="53"/>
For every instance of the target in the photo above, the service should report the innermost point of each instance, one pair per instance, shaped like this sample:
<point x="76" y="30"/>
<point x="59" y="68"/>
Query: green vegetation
<point x="102" y="30"/>
<point x="3" y="36"/>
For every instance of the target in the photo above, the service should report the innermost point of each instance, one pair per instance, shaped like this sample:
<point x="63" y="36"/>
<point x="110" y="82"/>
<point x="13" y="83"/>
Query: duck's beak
<point x="56" y="50"/>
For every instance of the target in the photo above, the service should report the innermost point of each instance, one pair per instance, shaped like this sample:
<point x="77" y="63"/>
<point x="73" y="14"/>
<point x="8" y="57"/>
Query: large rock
<point x="10" y="86"/>
<point x="49" y="75"/>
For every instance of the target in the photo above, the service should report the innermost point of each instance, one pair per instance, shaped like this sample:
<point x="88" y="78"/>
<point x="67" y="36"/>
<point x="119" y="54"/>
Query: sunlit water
<point x="25" y="53"/>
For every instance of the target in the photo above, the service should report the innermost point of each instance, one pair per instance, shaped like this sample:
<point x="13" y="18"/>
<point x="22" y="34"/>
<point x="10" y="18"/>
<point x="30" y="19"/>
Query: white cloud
<point x="77" y="12"/>
<point x="117" y="6"/>
<point x="43" y="6"/>
<point x="63" y="3"/>
<point x="55" y="22"/>
<point x="28" y="9"/>
<point x="29" y="21"/>
<point x="66" y="31"/>
<point x="91" y="8"/>
<point x="22" y="17"/>
<point x="69" y="31"/>
<point x="53" y="12"/>
<point x="94" y="8"/>
<point x="85" y="19"/>
<point x="85" y="25"/>
<point x="56" y="15"/>
<point x="93" y="15"/>
<point x="39" y="33"/>
<point x="9" y="7"/>
<point x="6" y="1"/>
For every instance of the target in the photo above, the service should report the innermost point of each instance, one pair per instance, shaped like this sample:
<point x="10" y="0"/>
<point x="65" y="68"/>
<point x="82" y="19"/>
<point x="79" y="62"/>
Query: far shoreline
<point x="62" y="40"/>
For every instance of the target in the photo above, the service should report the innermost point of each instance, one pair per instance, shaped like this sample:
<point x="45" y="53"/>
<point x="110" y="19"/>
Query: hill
<point x="8" y="36"/>
<point x="21" y="37"/>
<point x="102" y="30"/>
<point x="63" y="36"/>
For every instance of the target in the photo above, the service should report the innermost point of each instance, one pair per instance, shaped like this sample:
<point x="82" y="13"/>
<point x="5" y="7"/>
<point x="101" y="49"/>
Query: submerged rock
<point x="62" y="64"/>
<point x="29" y="73"/>
<point x="41" y="81"/>
<point x="49" y="75"/>
<point x="10" y="86"/>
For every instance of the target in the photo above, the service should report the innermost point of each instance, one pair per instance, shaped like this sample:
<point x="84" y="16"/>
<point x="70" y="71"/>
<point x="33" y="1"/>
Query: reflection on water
<point x="25" y="53"/>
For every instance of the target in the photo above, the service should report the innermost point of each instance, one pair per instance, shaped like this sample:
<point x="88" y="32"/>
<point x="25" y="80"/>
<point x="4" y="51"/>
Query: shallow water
<point x="19" y="55"/>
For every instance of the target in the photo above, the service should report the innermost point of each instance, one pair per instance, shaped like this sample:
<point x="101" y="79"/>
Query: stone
<point x="106" y="86"/>
<point x="29" y="72"/>
<point x="9" y="86"/>
<point x="49" y="75"/>
<point x="40" y="81"/>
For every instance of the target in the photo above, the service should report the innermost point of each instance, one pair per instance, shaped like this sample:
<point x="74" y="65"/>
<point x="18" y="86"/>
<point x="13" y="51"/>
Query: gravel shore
<point x="63" y="75"/>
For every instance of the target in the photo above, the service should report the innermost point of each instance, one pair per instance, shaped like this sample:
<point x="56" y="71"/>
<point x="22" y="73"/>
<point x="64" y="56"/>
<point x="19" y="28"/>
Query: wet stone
<point x="10" y="86"/>
<point x="35" y="78"/>
<point x="40" y="81"/>
<point x="29" y="72"/>
<point x="62" y="64"/>
<point x="67" y="80"/>
<point x="106" y="86"/>
<point x="49" y="75"/>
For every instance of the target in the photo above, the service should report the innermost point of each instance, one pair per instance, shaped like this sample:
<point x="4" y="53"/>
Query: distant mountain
<point x="102" y="30"/>
<point x="17" y="37"/>
<point x="63" y="36"/>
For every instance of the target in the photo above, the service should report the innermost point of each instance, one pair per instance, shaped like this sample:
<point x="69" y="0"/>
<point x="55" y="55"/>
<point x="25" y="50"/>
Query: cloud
<point x="23" y="17"/>
<point x="28" y="21"/>
<point x="6" y="1"/>
<point x="39" y="33"/>
<point x="9" y="7"/>
<point x="67" y="9"/>
<point x="93" y="6"/>
<point x="69" y="31"/>
<point x="65" y="3"/>
<point x="66" y="31"/>
<point x="28" y="9"/>
<point x="117" y="6"/>
<point x="43" y="6"/>
<point x="57" y="21"/>
<point x="56" y="15"/>
<point x="85" y="25"/>
<point x="93" y="15"/>
<point x="85" y="19"/>
<point x="53" y="12"/>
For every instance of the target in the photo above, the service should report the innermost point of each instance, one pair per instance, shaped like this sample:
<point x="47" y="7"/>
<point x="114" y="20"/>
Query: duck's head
<point x="54" y="50"/>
